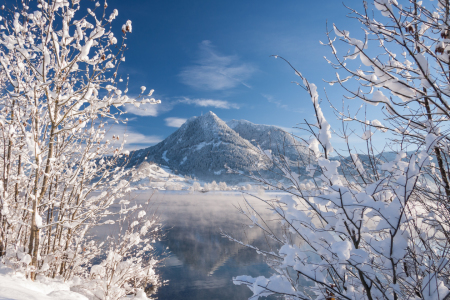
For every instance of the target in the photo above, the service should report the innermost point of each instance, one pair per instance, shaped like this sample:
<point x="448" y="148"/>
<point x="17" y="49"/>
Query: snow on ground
<point x="17" y="287"/>
<point x="162" y="178"/>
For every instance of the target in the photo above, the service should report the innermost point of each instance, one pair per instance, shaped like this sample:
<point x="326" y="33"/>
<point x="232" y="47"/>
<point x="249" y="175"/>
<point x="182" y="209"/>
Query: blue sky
<point x="214" y="55"/>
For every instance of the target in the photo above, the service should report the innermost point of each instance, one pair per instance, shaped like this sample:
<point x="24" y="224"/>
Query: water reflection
<point x="202" y="263"/>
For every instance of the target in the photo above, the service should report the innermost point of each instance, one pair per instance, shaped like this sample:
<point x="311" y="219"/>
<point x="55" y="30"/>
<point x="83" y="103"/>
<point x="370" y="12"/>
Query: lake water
<point x="202" y="263"/>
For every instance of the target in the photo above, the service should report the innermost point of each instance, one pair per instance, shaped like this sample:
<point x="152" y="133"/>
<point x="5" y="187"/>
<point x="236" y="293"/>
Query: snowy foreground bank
<point x="14" y="286"/>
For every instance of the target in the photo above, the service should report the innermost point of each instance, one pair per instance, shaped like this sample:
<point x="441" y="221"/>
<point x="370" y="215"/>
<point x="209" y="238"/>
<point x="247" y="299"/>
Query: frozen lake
<point x="202" y="263"/>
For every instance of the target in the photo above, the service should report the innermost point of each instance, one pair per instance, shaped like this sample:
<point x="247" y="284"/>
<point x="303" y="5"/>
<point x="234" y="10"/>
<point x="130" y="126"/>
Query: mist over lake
<point x="200" y="263"/>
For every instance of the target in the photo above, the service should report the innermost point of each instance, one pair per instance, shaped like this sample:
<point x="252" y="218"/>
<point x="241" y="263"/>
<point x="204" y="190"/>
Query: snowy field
<point x="16" y="287"/>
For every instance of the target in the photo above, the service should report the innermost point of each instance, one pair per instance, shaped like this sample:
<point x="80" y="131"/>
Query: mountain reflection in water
<point x="201" y="262"/>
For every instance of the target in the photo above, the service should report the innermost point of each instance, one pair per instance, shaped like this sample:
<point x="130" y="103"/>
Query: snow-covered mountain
<point x="201" y="147"/>
<point x="269" y="137"/>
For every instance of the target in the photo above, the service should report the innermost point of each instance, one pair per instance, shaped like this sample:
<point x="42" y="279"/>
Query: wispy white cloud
<point x="174" y="122"/>
<point x="134" y="140"/>
<point x="148" y="109"/>
<point x="214" y="71"/>
<point x="271" y="99"/>
<point x="210" y="103"/>
<point x="154" y="110"/>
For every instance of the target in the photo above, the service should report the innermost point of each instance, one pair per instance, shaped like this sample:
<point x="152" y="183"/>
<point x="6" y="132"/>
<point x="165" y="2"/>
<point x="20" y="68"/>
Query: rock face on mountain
<point x="201" y="147"/>
<point x="269" y="137"/>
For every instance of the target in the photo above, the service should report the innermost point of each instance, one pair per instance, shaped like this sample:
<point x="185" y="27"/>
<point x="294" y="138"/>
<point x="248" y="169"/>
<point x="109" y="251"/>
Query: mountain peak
<point x="208" y="117"/>
<point x="210" y="113"/>
<point x="208" y="122"/>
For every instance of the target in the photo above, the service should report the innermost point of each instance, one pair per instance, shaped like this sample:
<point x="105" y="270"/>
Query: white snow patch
<point x="201" y="145"/>
<point x="215" y="144"/>
<point x="17" y="287"/>
<point x="367" y="134"/>
<point x="184" y="160"/>
<point x="164" y="156"/>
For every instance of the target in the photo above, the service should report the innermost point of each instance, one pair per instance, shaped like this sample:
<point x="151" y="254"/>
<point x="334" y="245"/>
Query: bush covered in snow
<point x="196" y="186"/>
<point x="58" y="90"/>
<point x="371" y="224"/>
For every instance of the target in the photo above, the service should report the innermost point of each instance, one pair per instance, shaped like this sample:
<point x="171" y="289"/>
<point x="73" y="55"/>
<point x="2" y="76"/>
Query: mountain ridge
<point x="269" y="137"/>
